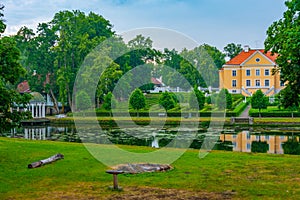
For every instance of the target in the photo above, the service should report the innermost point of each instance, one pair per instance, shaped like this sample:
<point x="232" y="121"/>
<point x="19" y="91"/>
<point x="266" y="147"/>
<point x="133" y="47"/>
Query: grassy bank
<point x="219" y="175"/>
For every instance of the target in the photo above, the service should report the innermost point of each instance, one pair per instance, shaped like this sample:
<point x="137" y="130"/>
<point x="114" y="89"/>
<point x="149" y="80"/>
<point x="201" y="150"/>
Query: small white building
<point x="37" y="106"/>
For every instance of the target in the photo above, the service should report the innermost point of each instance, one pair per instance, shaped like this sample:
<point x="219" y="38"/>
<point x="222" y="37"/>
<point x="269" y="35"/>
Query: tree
<point x="197" y="99"/>
<point x="77" y="35"/>
<point x="224" y="100"/>
<point x="166" y="101"/>
<point x="207" y="60"/>
<point x="283" y="39"/>
<point x="231" y="50"/>
<point x="217" y="56"/>
<point x="58" y="49"/>
<point x="109" y="102"/>
<point x="137" y="100"/>
<point x="289" y="99"/>
<point x="10" y="73"/>
<point x="83" y="101"/>
<point x="2" y="24"/>
<point x="259" y="101"/>
<point x="228" y="100"/>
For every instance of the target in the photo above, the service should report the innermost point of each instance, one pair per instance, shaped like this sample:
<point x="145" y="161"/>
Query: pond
<point x="275" y="141"/>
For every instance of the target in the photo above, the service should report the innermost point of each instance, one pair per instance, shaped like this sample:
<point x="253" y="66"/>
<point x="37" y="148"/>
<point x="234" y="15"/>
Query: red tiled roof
<point x="155" y="81"/>
<point x="240" y="58"/>
<point x="23" y="87"/>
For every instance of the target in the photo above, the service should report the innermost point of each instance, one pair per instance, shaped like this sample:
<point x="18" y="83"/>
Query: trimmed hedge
<point x="234" y="113"/>
<point x="240" y="108"/>
<point x="274" y="114"/>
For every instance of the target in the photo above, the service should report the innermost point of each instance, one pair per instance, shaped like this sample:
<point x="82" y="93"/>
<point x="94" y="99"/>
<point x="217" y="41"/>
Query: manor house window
<point x="267" y="72"/>
<point x="233" y="83"/>
<point x="248" y="83"/>
<point x="257" y="72"/>
<point x="267" y="83"/>
<point x="257" y="83"/>
<point x="248" y="72"/>
<point x="233" y="72"/>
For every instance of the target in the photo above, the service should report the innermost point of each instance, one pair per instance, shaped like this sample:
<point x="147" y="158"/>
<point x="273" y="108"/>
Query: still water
<point x="271" y="141"/>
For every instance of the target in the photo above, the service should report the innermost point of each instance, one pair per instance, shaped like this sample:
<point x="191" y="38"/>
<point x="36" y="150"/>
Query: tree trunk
<point x="73" y="105"/>
<point x="69" y="97"/>
<point x="46" y="161"/>
<point x="62" y="108"/>
<point x="54" y="101"/>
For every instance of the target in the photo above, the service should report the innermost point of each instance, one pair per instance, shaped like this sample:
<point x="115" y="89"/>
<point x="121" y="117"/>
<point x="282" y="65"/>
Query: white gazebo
<point x="37" y="106"/>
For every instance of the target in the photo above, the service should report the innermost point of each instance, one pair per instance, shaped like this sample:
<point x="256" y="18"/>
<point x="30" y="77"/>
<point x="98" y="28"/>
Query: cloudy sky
<point x="214" y="22"/>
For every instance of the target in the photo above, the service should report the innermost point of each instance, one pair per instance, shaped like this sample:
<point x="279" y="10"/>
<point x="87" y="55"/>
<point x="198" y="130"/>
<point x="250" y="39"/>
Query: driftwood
<point x="46" y="161"/>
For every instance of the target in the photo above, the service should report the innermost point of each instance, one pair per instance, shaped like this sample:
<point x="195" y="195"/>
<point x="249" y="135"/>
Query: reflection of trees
<point x="223" y="145"/>
<point x="259" y="147"/>
<point x="291" y="146"/>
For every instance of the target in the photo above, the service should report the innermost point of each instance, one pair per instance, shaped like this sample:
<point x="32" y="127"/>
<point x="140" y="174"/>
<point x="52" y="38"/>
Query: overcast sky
<point x="214" y="22"/>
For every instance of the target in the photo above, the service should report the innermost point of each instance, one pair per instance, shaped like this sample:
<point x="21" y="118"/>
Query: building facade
<point x="250" y="71"/>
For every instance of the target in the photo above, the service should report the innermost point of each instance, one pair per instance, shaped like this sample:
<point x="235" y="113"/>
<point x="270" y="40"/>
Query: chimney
<point x="246" y="48"/>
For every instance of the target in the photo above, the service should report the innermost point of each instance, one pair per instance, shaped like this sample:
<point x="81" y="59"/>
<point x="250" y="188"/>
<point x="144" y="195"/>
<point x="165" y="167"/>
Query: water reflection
<point x="63" y="133"/>
<point x="230" y="140"/>
<point x="247" y="142"/>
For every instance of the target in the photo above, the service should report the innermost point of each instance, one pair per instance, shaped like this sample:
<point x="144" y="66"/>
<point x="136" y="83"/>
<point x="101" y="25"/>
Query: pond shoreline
<point x="176" y="121"/>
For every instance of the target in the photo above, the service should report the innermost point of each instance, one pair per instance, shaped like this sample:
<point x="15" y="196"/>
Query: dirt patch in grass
<point x="90" y="191"/>
<point x="168" y="194"/>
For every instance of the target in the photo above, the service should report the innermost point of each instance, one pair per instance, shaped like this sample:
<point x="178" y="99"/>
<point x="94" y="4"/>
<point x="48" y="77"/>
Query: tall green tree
<point x="10" y="73"/>
<point x="259" y="101"/>
<point x="109" y="102"/>
<point x="224" y="99"/>
<point x="197" y="99"/>
<point x="231" y="50"/>
<point x="38" y="57"/>
<point x="283" y="39"/>
<point x="78" y="35"/>
<point x="83" y="100"/>
<point x="289" y="99"/>
<point x="167" y="101"/>
<point x="56" y="51"/>
<point x="137" y="100"/>
<point x="207" y="60"/>
<point x="217" y="56"/>
<point x="2" y="24"/>
<point x="228" y="99"/>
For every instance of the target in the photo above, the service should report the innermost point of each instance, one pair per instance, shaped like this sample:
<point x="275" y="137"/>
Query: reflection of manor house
<point x="242" y="142"/>
<point x="250" y="71"/>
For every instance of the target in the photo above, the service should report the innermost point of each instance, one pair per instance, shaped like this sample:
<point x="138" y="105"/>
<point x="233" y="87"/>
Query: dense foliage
<point x="10" y="73"/>
<point x="54" y="53"/>
<point x="197" y="99"/>
<point x="167" y="101"/>
<point x="259" y="100"/>
<point x="137" y="100"/>
<point x="283" y="39"/>
<point x="231" y="50"/>
<point x="224" y="100"/>
<point x="109" y="102"/>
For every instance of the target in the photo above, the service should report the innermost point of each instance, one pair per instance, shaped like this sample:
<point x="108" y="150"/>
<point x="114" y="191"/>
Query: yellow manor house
<point x="250" y="71"/>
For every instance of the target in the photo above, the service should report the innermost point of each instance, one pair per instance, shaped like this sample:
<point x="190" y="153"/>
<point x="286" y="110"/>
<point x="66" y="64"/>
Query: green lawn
<point x="79" y="176"/>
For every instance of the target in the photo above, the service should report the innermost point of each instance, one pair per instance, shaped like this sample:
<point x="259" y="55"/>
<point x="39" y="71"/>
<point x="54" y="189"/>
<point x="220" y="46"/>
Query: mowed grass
<point x="220" y="175"/>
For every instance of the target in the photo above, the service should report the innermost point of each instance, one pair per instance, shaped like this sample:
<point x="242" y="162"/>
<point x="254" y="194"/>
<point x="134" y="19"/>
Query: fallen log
<point x="46" y="161"/>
